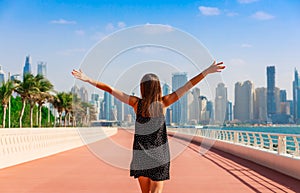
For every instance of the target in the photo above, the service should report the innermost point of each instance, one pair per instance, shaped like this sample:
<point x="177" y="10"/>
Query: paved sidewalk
<point x="80" y="171"/>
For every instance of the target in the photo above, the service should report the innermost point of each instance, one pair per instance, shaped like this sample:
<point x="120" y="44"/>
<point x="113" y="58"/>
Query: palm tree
<point x="6" y="91"/>
<point x="58" y="103"/>
<point x="43" y="95"/>
<point x="27" y="90"/>
<point x="68" y="104"/>
<point x="76" y="109"/>
<point x="55" y="103"/>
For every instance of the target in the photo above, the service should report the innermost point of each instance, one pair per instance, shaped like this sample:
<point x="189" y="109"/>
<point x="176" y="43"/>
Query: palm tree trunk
<point x="22" y="113"/>
<point x="37" y="117"/>
<point x="40" y="115"/>
<point x="31" y="116"/>
<point x="73" y="120"/>
<point x="4" y="115"/>
<point x="65" y="119"/>
<point x="69" y="119"/>
<point x="60" y="120"/>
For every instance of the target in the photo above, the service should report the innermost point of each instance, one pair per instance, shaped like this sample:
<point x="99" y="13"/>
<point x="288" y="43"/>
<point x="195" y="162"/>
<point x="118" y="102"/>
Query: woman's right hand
<point x="80" y="75"/>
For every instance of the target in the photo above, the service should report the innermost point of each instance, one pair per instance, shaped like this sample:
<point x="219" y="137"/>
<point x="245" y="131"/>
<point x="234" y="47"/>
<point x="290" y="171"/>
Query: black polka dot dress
<point x="151" y="155"/>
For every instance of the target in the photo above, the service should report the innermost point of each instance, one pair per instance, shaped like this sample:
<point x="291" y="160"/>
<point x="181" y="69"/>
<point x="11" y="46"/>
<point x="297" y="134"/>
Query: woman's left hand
<point x="215" y="67"/>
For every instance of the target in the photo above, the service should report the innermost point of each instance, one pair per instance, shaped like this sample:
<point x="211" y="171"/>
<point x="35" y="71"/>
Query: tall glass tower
<point x="166" y="89"/>
<point x="271" y="102"/>
<point x="42" y="69"/>
<point x="180" y="108"/>
<point x="27" y="66"/>
<point x="108" y="106"/>
<point x="296" y="97"/>
<point x="220" y="103"/>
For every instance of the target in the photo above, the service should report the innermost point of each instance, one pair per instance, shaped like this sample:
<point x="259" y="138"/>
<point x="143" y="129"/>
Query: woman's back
<point x="151" y="156"/>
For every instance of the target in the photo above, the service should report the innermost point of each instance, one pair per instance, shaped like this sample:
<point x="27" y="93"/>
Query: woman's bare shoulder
<point x="133" y="101"/>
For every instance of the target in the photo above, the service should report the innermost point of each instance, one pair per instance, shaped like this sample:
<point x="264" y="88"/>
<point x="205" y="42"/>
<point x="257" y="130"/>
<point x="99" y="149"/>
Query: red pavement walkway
<point x="80" y="171"/>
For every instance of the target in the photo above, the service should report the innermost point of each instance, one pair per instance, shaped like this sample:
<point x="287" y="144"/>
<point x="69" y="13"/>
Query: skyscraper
<point x="27" y="66"/>
<point x="16" y="77"/>
<point x="83" y="94"/>
<point x="75" y="91"/>
<point x="42" y="69"/>
<point x="180" y="108"/>
<point x="229" y="115"/>
<point x="260" y="105"/>
<point x="296" y="97"/>
<point x="283" y="96"/>
<point x="120" y="109"/>
<point x="204" y="113"/>
<point x="243" y="106"/>
<point x="95" y="101"/>
<point x="107" y="106"/>
<point x="166" y="89"/>
<point x="271" y="101"/>
<point x="220" y="103"/>
<point x="2" y="76"/>
<point x="194" y="106"/>
<point x="277" y="100"/>
<point x="210" y="110"/>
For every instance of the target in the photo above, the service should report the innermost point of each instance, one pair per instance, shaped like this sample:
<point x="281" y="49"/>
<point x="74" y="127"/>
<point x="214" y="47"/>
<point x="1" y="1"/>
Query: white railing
<point x="283" y="144"/>
<point x="21" y="145"/>
<point x="279" y="152"/>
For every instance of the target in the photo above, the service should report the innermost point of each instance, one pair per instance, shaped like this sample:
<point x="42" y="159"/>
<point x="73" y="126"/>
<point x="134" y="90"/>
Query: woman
<point x="151" y="159"/>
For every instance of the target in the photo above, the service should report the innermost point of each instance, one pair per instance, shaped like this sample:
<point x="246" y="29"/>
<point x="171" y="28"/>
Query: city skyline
<point x="246" y="35"/>
<point x="262" y="105"/>
<point x="270" y="76"/>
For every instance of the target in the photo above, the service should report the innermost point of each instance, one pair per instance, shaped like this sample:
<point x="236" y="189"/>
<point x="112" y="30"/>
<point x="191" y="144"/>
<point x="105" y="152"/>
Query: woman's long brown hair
<point x="151" y="96"/>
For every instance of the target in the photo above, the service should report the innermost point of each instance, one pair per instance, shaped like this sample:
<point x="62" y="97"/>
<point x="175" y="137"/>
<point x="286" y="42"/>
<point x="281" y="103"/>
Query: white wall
<point x="25" y="144"/>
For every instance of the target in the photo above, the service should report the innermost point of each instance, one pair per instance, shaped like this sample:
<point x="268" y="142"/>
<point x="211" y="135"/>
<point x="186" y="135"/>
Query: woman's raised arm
<point x="173" y="97"/>
<point x="130" y="100"/>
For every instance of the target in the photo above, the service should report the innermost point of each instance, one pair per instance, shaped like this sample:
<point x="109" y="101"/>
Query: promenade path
<point x="80" y="171"/>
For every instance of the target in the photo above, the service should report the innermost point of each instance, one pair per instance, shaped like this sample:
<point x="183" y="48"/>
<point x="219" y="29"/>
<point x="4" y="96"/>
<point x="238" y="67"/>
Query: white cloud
<point x="121" y="24"/>
<point x="79" y="32"/>
<point x="62" y="22"/>
<point x="245" y="45"/>
<point x="246" y="1"/>
<point x="260" y="15"/>
<point x="209" y="11"/>
<point x="110" y="27"/>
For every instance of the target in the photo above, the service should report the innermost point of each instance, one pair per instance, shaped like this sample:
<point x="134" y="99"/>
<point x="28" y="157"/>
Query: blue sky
<point x="248" y="35"/>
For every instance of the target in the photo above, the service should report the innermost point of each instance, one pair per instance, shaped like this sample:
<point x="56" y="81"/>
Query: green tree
<point x="68" y="105"/>
<point x="6" y="91"/>
<point x="63" y="103"/>
<point x="43" y="95"/>
<point x="27" y="90"/>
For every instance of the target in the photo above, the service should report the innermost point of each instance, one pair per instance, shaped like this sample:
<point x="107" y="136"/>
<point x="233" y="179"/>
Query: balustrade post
<point x="254" y="140"/>
<point x="296" y="146"/>
<point x="262" y="143"/>
<point x="281" y="144"/>
<point x="236" y="137"/>
<point x="270" y="142"/>
<point x="248" y="139"/>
